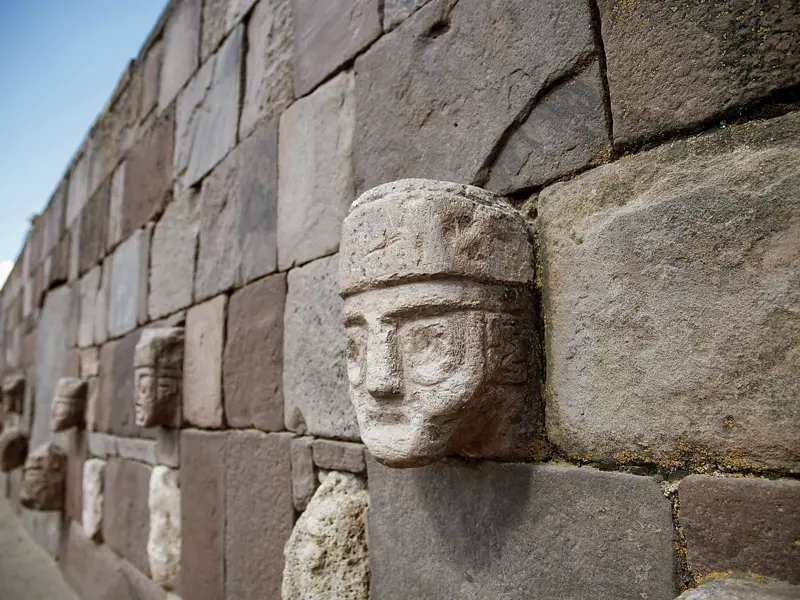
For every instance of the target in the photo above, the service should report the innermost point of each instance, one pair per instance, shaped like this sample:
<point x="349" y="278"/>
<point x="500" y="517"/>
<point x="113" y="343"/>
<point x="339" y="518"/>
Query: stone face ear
<point x="13" y="450"/>
<point x="94" y="471"/>
<point x="69" y="404"/>
<point x="14" y="393"/>
<point x="43" y="479"/>
<point x="158" y="377"/>
<point x="164" y="540"/>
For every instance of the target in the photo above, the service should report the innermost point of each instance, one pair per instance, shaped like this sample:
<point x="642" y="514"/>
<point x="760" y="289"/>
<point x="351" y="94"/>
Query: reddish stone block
<point x="93" y="222"/>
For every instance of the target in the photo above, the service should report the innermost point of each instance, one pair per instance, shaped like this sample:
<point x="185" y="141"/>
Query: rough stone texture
<point x="135" y="449"/>
<point x="148" y="175"/>
<point x="422" y="92"/>
<point x="43" y="479"/>
<point x="164" y="539"/>
<point x="742" y="525"/>
<point x="208" y="110"/>
<point x="726" y="60"/>
<point x="168" y="447"/>
<point x="552" y="532"/>
<point x="315" y="183"/>
<point x="238" y="212"/>
<point x="339" y="456"/>
<point x="397" y="11"/>
<point x="326" y="556"/>
<point x="172" y="256"/>
<point x="69" y="404"/>
<point x="93" y="484"/>
<point x="667" y="285"/>
<point x="13" y="450"/>
<point x="93" y="222"/>
<point x="115" y="202"/>
<point x="202" y="366"/>
<point x="128" y="283"/>
<point x="326" y="35"/>
<point x="102" y="302"/>
<point x="151" y="74"/>
<point x="158" y="377"/>
<point x="89" y="360"/>
<point x="88" y="286"/>
<point x="181" y="42"/>
<point x="203" y="459"/>
<point x="253" y="361"/>
<point x="304" y="478"/>
<point x="258" y="513"/>
<point x="742" y="589"/>
<point x="219" y="17"/>
<point x="268" y="88"/>
<point x="126" y="516"/>
<point x="315" y="389"/>
<point x="77" y="188"/>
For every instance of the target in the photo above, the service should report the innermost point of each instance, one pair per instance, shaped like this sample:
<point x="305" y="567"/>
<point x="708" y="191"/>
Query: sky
<point x="59" y="62"/>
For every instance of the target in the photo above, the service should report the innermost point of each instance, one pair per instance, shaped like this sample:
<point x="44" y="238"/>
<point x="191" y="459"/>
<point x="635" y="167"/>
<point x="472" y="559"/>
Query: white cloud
<point x="5" y="269"/>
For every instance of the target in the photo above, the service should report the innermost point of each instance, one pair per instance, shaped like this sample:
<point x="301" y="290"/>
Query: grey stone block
<point x="128" y="283"/>
<point x="115" y="202"/>
<point x="339" y="456"/>
<point x="397" y="11"/>
<point x="739" y="588"/>
<point x="77" y="188"/>
<point x="180" y="53"/>
<point x="304" y="477"/>
<point x="219" y="17"/>
<point x="89" y="286"/>
<point x="143" y="451"/>
<point x="126" y="516"/>
<point x="168" y="447"/>
<point x="202" y="364"/>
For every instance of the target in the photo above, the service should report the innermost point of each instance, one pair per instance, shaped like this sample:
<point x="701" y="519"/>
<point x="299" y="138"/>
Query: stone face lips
<point x="667" y="279"/>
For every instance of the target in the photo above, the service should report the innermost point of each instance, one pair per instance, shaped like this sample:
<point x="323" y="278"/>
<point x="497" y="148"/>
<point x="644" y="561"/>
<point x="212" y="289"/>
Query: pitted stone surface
<point x="219" y="17"/>
<point x="202" y="366"/>
<point x="126" y="515"/>
<point x="326" y="556"/>
<point x="93" y="495"/>
<point x="181" y="42"/>
<point x="164" y="539"/>
<point x="731" y="588"/>
<point x="128" y="283"/>
<point x="397" y="11"/>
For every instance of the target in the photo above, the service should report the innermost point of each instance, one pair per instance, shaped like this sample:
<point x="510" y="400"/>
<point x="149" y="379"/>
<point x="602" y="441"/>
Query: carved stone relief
<point x="14" y="393"/>
<point x="43" y="479"/>
<point x="69" y="404"/>
<point x="164" y="540"/>
<point x="13" y="450"/>
<point x="158" y="367"/>
<point x="439" y="314"/>
<point x="93" y="493"/>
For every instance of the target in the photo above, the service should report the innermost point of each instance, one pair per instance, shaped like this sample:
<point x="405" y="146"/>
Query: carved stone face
<point x="13" y="393"/>
<point x="13" y="450"/>
<point x="69" y="404"/>
<point x="43" y="478"/>
<point x="157" y="377"/>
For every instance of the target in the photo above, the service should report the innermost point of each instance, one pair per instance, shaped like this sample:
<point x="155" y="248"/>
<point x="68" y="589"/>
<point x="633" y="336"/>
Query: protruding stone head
<point x="437" y="285"/>
<point x="13" y="450"/>
<point x="69" y="404"/>
<point x="158" y="368"/>
<point x="43" y="479"/>
<point x="14" y="393"/>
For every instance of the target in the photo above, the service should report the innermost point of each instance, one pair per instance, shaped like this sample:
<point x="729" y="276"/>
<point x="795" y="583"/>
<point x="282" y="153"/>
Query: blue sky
<point x="59" y="63"/>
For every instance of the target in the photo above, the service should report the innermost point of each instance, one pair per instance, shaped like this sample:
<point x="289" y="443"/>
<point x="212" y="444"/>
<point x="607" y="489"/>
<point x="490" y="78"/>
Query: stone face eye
<point x="356" y="351"/>
<point x="432" y="348"/>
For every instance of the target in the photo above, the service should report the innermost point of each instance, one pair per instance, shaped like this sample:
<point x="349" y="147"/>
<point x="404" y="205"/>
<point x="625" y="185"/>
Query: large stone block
<point x="253" y="362"/>
<point x="422" y="92"/>
<point x="315" y="183"/>
<point x="667" y="278"/>
<point x="219" y="17"/>
<point x="77" y="188"/>
<point x="238" y="216"/>
<point x="89" y="287"/>
<point x="54" y="217"/>
<point x="315" y="386"/>
<point x="397" y="11"/>
<point x="115" y="203"/>
<point x="259" y="513"/>
<point x="208" y="110"/>
<point x="304" y="476"/>
<point x="268" y="87"/>
<point x="93" y="222"/>
<point x="202" y="364"/>
<point x="164" y="539"/>
<point x="749" y="525"/>
<point x="675" y="66"/>
<point x="551" y="532"/>
<point x="180" y="53"/>
<point x="127" y="300"/>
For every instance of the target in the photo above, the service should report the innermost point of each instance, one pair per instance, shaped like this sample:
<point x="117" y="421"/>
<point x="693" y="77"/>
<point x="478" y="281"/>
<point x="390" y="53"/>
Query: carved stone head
<point x="69" y="404"/>
<point x="158" y="368"/>
<point x="437" y="285"/>
<point x="14" y="393"/>
<point x="13" y="450"/>
<point x="43" y="479"/>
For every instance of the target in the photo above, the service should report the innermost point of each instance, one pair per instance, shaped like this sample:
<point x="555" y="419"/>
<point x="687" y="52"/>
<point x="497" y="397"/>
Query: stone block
<point x="670" y="68"/>
<point x="126" y="516"/>
<point x="164" y="539"/>
<point x="77" y="188"/>
<point x="148" y="175"/>
<point x="315" y="183"/>
<point x="115" y="203"/>
<point x="74" y="251"/>
<point x="268" y="88"/>
<point x="168" y="447"/>
<point x="128" y="283"/>
<point x="315" y="385"/>
<point x="740" y="588"/>
<point x="151" y="75"/>
<point x="172" y="256"/>
<point x="93" y="497"/>
<point x="327" y="35"/>
<point x="88" y="286"/>
<point x="397" y="11"/>
<point x="89" y="363"/>
<point x="666" y="279"/>
<point x="72" y="363"/>
<point x="203" y="459"/>
<point x="54" y="217"/>
<point x="202" y="364"/>
<point x="181" y="42"/>
<point x="304" y="477"/>
<point x="102" y="303"/>
<point x="208" y="109"/>
<point x="93" y="222"/>
<point x="259" y="513"/>
<point x="143" y="451"/>
<point x="59" y="266"/>
<point x="219" y="17"/>
<point x="734" y="524"/>
<point x="253" y="361"/>
<point x="44" y="527"/>
<point x="432" y="79"/>
<point x="238" y="216"/>
<point x="339" y="456"/>
<point x="584" y="533"/>
<point x="77" y="453"/>
<point x="101" y="445"/>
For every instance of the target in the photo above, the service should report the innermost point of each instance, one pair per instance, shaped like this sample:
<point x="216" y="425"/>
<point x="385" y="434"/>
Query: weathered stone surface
<point x="202" y="366"/>
<point x="742" y="524"/>
<point x="54" y="216"/>
<point x="258" y="513"/>
<point x="126" y="516"/>
<point x="89" y="360"/>
<point x="426" y="116"/>
<point x="671" y="67"/>
<point x="128" y="283"/>
<point x="101" y="445"/>
<point x="253" y="361"/>
<point x="74" y="251"/>
<point x="397" y="11"/>
<point x="238" y="212"/>
<point x="172" y="256"/>
<point x="74" y="442"/>
<point x="666" y="282"/>
<point x="268" y="88"/>
<point x="339" y="456"/>
<point x="208" y="110"/>
<point x="115" y="203"/>
<point x="315" y="395"/>
<point x="584" y="533"/>
<point x="93" y="485"/>
<point x="168" y="447"/>
<point x="102" y="302"/>
<point x="137" y="449"/>
<point x="315" y="184"/>
<point x="93" y="222"/>
<point x="164" y="540"/>
<point x="13" y="450"/>
<point x="69" y="404"/>
<point x="44" y="527"/>
<point x="326" y="556"/>
<point x="59" y="266"/>
<point x="148" y="175"/>
<point x="77" y="188"/>
<point x="181" y="43"/>
<point x="158" y="375"/>
<point x="43" y="479"/>
<point x="328" y="35"/>
<point x="304" y="478"/>
<point x="151" y="74"/>
<point x="88" y="286"/>
<point x="203" y="459"/>
<point x="219" y="17"/>
<point x="742" y="589"/>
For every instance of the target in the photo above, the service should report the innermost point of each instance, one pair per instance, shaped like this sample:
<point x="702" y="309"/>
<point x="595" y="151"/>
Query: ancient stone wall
<point x="654" y="148"/>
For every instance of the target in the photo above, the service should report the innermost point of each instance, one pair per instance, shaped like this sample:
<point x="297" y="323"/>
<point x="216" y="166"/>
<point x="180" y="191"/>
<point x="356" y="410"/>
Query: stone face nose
<point x="384" y="376"/>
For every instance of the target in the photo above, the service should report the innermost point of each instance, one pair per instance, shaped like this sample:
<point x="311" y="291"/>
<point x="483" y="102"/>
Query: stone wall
<point x="655" y="148"/>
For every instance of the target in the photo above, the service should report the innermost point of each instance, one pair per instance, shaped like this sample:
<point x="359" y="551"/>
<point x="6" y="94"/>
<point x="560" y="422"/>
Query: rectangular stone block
<point x="151" y="75"/>
<point x="316" y="393"/>
<point x="203" y="459"/>
<point x="550" y="532"/>
<point x="54" y="217"/>
<point x="339" y="456"/>
<point x="59" y="267"/>
<point x="93" y="222"/>
<point x="77" y="451"/>
<point x="101" y="445"/>
<point x="143" y="451"/>
<point x="202" y="364"/>
<point x="102" y="302"/>
<point x="89" y="362"/>
<point x="128" y="283"/>
<point x="115" y="203"/>
<point x="328" y="34"/>
<point x="89" y="287"/>
<point x="315" y="184"/>
<point x="253" y="362"/>
<point x="666" y="278"/>
<point x="259" y="513"/>
<point x="181" y="42"/>
<point x="219" y="17"/>
<point x="77" y="188"/>
<point x="749" y="525"/>
<point x="304" y="476"/>
<point x="168" y="447"/>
